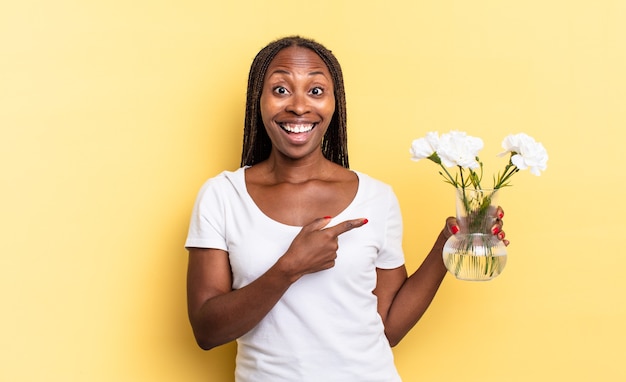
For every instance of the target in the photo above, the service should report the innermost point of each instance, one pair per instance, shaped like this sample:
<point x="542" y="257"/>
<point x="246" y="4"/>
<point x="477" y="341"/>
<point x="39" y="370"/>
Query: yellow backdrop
<point x="113" y="113"/>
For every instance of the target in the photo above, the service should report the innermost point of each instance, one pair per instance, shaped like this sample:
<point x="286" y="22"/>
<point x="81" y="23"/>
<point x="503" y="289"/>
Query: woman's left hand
<point x="497" y="227"/>
<point x="452" y="226"/>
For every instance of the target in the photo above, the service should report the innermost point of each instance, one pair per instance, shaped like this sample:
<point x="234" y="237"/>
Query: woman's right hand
<point x="219" y="314"/>
<point x="315" y="248"/>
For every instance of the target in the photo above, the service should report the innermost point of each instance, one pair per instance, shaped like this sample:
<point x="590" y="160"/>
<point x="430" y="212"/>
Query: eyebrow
<point x="283" y="71"/>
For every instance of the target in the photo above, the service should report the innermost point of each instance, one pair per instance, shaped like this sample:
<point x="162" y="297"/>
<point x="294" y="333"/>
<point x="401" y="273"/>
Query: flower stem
<point x="452" y="180"/>
<point x="509" y="170"/>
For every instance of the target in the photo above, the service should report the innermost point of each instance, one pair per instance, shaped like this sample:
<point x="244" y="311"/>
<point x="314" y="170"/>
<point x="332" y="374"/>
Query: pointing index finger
<point x="347" y="225"/>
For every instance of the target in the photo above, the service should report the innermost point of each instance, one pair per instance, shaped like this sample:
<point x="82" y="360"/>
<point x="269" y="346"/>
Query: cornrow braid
<point x="256" y="143"/>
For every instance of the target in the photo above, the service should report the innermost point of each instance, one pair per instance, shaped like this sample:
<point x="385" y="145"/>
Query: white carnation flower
<point x="526" y="153"/>
<point x="424" y="147"/>
<point x="459" y="149"/>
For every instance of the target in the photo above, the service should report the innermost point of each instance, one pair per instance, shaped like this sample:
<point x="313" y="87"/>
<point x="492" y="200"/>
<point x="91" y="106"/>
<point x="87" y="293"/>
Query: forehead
<point x="297" y="58"/>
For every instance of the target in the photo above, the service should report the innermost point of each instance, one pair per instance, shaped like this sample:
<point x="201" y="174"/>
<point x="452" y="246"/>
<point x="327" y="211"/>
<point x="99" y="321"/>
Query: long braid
<point x="256" y="143"/>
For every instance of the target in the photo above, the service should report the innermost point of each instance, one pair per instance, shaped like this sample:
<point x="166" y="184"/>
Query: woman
<point x="295" y="256"/>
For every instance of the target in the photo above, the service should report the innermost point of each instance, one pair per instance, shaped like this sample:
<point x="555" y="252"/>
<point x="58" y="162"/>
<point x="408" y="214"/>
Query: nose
<point x="298" y="104"/>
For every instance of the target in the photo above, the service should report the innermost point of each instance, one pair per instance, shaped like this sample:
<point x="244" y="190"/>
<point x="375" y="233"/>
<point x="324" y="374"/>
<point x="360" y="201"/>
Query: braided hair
<point x="256" y="143"/>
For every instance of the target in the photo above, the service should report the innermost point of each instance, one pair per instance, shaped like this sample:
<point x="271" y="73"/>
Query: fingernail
<point x="495" y="230"/>
<point x="328" y="217"/>
<point x="365" y="221"/>
<point x="454" y="229"/>
<point x="501" y="235"/>
<point x="500" y="215"/>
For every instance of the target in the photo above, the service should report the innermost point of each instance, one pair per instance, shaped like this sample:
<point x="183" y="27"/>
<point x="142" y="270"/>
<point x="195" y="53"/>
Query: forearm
<point x="416" y="294"/>
<point x="227" y="316"/>
<point x="219" y="315"/>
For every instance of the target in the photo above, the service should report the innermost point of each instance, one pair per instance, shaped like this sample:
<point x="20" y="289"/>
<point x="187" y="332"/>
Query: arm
<point x="219" y="314"/>
<point x="402" y="301"/>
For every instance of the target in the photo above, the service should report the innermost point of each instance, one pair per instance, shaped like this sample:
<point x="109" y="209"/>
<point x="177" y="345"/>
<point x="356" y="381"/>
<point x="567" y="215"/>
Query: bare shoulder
<point x="256" y="174"/>
<point x="343" y="175"/>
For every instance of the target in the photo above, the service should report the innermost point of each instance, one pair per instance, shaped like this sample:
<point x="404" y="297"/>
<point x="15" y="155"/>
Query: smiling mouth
<point x="297" y="128"/>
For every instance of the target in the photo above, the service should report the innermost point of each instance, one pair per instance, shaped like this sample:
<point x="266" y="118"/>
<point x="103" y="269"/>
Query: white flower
<point x="526" y="153"/>
<point x="459" y="149"/>
<point x="424" y="147"/>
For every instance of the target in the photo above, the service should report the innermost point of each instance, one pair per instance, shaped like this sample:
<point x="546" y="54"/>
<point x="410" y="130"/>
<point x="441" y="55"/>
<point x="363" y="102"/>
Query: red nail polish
<point x="365" y="221"/>
<point x="500" y="215"/>
<point x="454" y="229"/>
<point x="328" y="217"/>
<point x="495" y="230"/>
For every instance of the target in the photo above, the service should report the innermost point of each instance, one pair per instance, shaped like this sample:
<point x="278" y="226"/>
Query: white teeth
<point x="297" y="128"/>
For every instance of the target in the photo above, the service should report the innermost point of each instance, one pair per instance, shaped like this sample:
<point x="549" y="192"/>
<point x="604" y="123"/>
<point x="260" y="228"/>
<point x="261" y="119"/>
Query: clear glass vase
<point x="475" y="253"/>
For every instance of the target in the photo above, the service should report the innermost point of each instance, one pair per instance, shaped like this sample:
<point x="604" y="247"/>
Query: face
<point x="297" y="102"/>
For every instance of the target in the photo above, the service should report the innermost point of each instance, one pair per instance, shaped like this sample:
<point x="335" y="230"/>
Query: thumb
<point x="317" y="224"/>
<point x="452" y="227"/>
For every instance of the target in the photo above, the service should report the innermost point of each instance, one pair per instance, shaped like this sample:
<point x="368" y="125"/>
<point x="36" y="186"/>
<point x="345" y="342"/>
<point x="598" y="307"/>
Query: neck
<point x="285" y="170"/>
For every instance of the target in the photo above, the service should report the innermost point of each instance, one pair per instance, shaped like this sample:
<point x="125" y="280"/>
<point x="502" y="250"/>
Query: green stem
<point x="465" y="201"/>
<point x="509" y="170"/>
<point x="452" y="180"/>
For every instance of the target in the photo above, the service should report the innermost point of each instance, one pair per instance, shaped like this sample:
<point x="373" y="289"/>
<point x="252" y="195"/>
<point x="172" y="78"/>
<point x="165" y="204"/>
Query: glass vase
<point x="475" y="253"/>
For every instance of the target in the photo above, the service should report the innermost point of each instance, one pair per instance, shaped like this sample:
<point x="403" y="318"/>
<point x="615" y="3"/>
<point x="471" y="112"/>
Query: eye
<point x="281" y="90"/>
<point x="317" y="91"/>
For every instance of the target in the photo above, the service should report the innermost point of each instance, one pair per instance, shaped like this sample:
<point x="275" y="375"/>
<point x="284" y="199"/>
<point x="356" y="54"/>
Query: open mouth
<point x="293" y="128"/>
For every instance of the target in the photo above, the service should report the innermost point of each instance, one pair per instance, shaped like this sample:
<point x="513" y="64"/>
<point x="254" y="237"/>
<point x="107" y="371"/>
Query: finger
<point x="499" y="213"/>
<point x="451" y="228"/>
<point x="453" y="225"/>
<point x="317" y="224"/>
<point x="497" y="228"/>
<point x="347" y="225"/>
<point x="501" y="235"/>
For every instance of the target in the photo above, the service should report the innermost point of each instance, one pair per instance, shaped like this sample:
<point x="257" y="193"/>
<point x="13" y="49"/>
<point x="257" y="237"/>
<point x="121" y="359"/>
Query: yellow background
<point x="113" y="113"/>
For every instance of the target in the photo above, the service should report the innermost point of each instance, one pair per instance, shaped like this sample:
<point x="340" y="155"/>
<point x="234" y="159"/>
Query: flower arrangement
<point x="461" y="150"/>
<point x="475" y="254"/>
